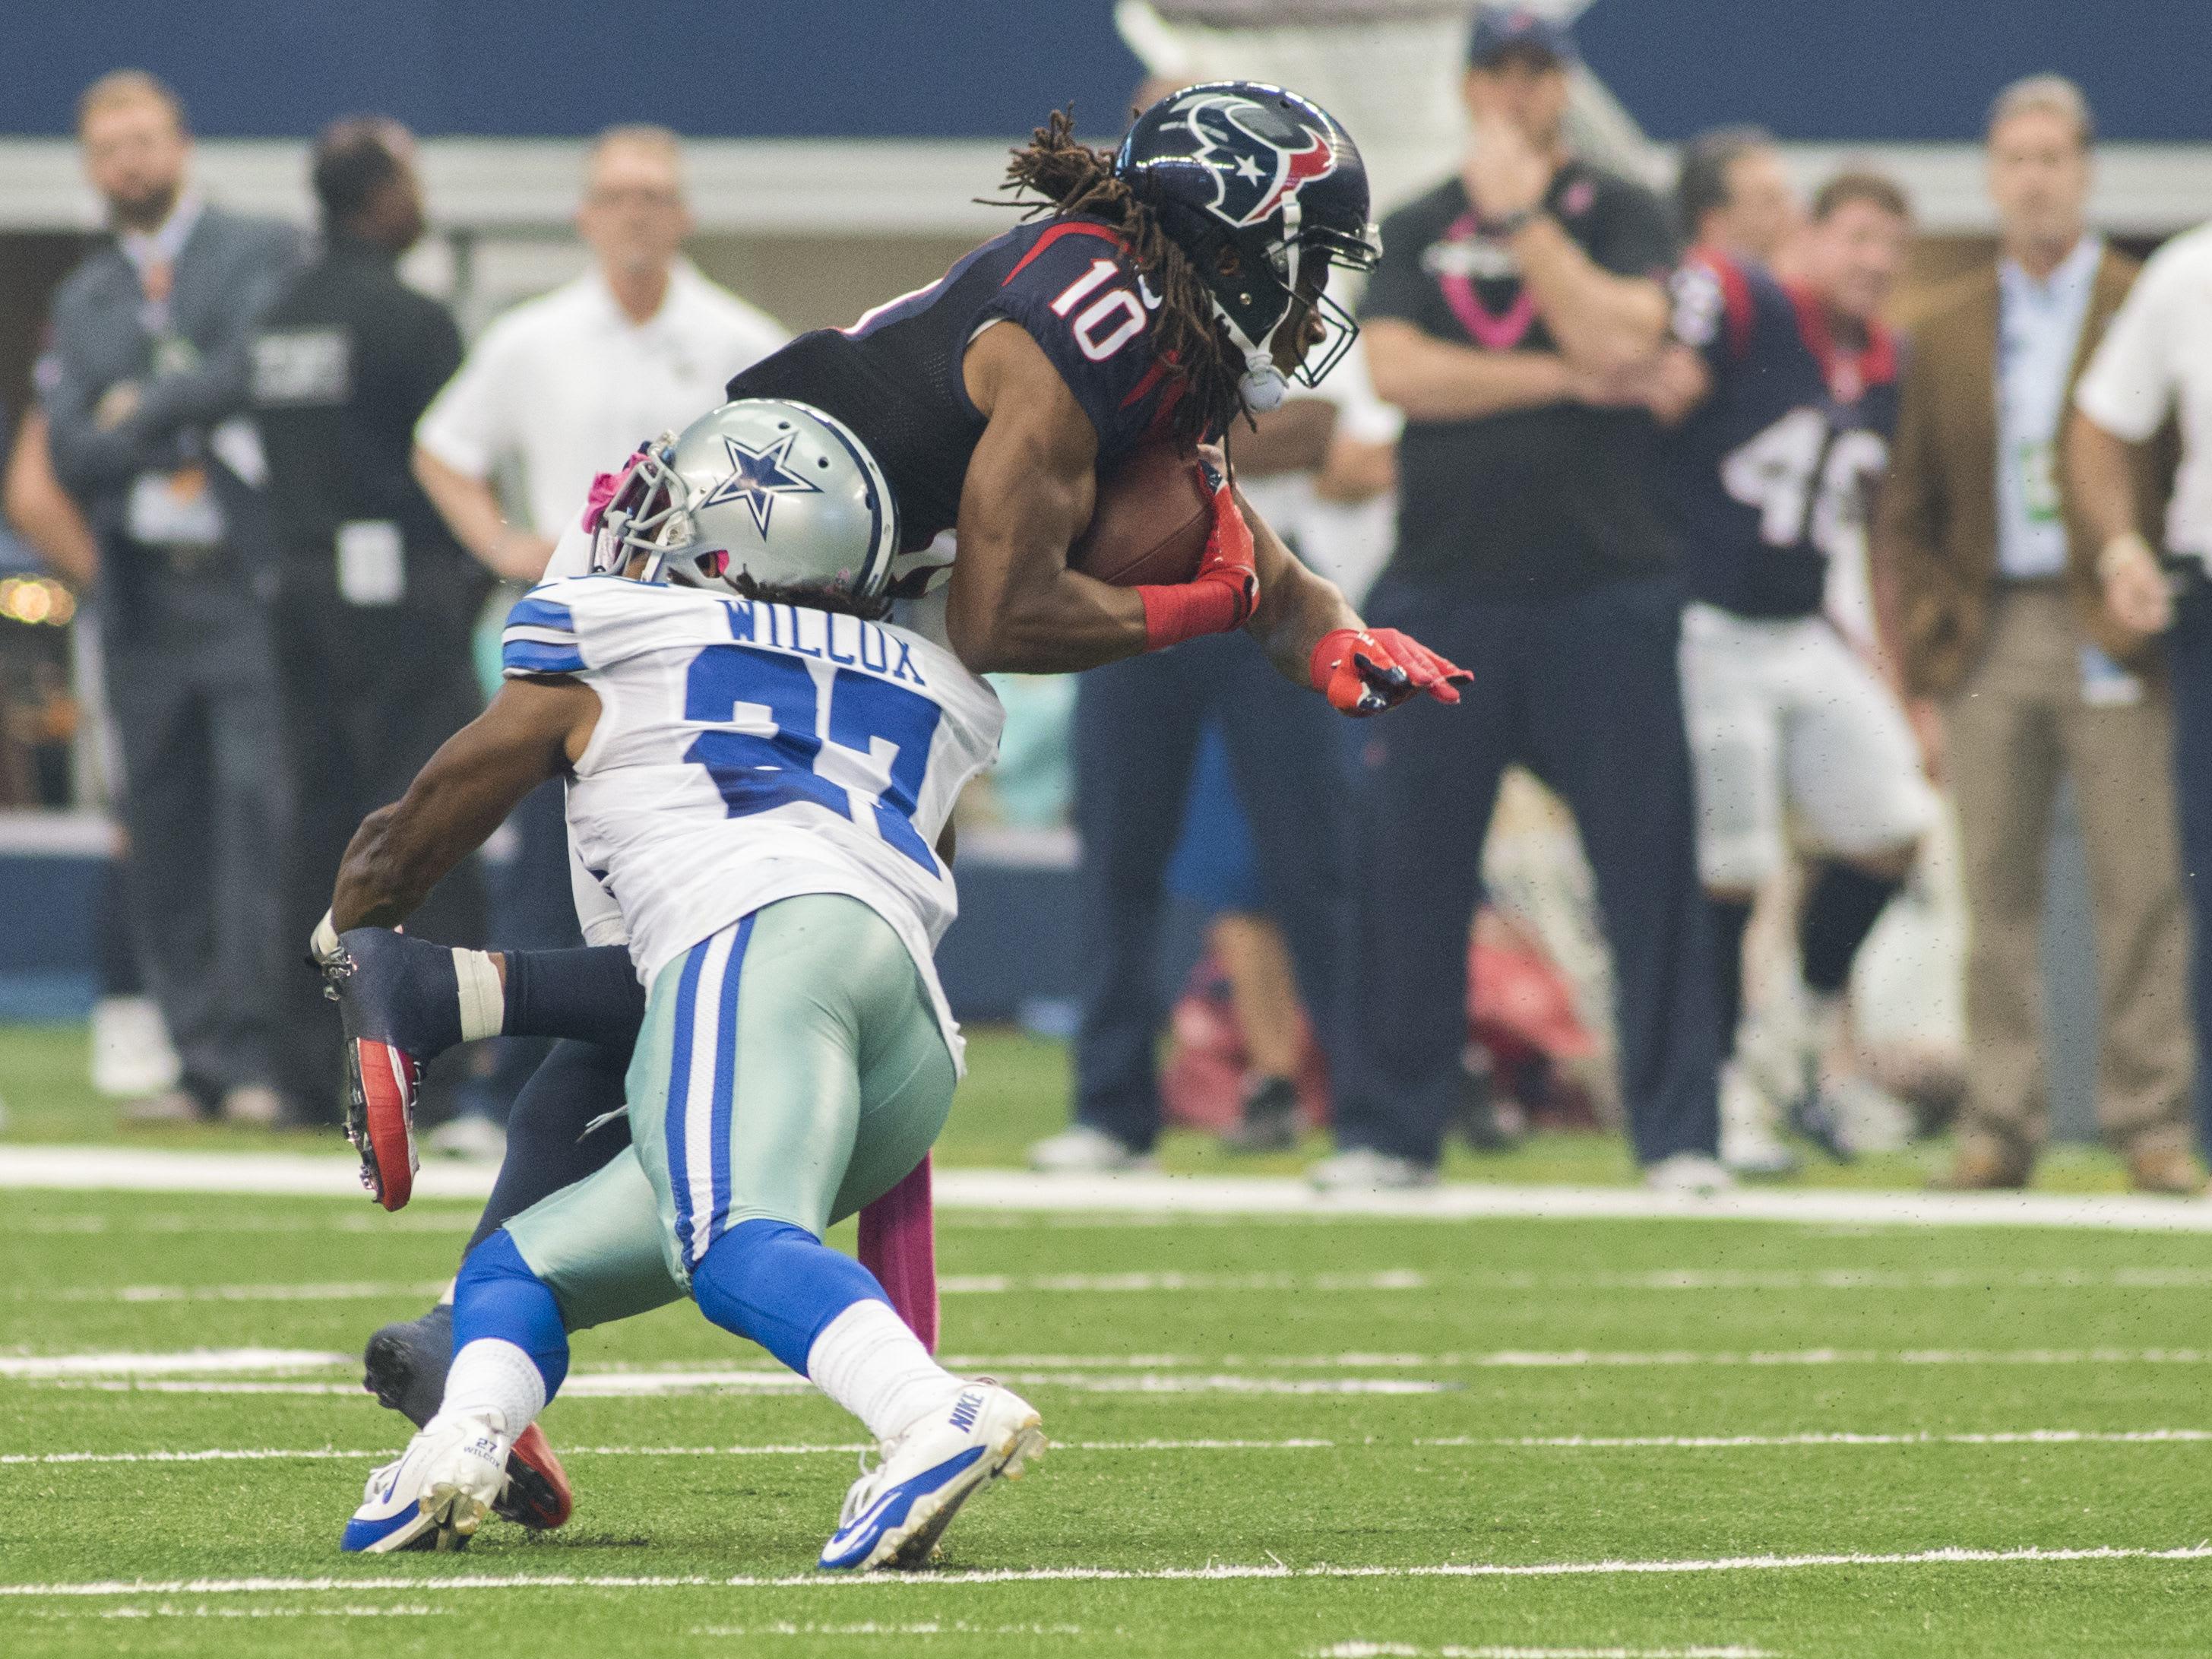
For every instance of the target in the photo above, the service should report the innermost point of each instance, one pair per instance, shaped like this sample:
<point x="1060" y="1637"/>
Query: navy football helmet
<point x="1242" y="165"/>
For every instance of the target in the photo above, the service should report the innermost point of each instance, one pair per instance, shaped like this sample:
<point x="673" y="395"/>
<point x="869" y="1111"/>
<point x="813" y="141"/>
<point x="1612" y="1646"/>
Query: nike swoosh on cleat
<point x="877" y="1519"/>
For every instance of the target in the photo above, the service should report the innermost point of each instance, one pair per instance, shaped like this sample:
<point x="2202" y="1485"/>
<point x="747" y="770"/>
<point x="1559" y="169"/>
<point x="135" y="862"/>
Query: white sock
<point x="868" y="1362"/>
<point x="483" y="999"/>
<point x="495" y="1380"/>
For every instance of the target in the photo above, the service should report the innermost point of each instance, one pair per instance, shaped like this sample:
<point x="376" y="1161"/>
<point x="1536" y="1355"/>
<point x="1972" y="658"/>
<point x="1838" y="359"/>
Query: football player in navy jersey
<point x="1794" y="388"/>
<point x="1164" y="290"/>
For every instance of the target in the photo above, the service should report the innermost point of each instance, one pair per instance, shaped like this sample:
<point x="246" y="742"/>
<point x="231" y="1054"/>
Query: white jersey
<point x="747" y="752"/>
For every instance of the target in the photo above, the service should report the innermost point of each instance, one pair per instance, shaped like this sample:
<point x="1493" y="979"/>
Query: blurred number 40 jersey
<point x="747" y="752"/>
<point x="1769" y="476"/>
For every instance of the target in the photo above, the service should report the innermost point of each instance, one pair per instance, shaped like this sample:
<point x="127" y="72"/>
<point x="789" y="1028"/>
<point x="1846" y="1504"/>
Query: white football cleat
<point x="1082" y="1149"/>
<point x="1689" y="1174"/>
<point x="438" y="1492"/>
<point x="1750" y="1146"/>
<point x="895" y="1512"/>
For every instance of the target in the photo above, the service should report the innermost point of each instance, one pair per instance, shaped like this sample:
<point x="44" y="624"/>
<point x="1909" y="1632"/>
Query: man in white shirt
<point x="2155" y="362"/>
<point x="641" y="344"/>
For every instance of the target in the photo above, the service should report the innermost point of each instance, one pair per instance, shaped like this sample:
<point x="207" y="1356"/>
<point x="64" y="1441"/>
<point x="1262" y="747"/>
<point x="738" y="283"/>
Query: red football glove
<point x="1226" y="588"/>
<point x="1366" y="672"/>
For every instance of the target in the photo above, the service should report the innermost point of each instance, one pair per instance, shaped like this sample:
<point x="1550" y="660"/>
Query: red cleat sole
<point x="538" y="1494"/>
<point x="384" y="1080"/>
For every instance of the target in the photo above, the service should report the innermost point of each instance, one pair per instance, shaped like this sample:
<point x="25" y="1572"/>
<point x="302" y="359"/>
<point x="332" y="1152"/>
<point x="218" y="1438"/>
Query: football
<point x="1151" y="522"/>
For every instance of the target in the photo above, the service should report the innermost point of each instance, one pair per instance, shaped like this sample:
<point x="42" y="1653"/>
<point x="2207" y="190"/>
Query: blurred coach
<point x="1511" y="302"/>
<point x="562" y="387"/>
<point x="142" y="389"/>
<point x="375" y="600"/>
<point x="2005" y="631"/>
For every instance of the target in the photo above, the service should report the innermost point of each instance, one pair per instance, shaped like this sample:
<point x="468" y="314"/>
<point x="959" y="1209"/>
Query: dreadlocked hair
<point x="1188" y="341"/>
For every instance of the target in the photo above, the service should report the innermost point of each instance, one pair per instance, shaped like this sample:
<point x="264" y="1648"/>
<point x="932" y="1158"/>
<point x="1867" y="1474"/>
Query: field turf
<point x="1284" y="1437"/>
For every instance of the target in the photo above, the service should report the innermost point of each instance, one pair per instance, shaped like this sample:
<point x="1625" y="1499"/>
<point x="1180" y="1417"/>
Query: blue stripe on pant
<point x="1583" y="688"/>
<point x="1136" y="735"/>
<point x="2189" y="663"/>
<point x="698" y="1121"/>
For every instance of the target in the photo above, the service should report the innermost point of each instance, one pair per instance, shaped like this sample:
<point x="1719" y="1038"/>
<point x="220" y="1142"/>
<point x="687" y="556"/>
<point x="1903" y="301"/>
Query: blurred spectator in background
<point x="376" y="601"/>
<point x="1768" y="479"/>
<point x="2156" y="360"/>
<point x="1138" y="727"/>
<point x="2025" y="675"/>
<point x="131" y="1057"/>
<point x="1511" y="301"/>
<point x="557" y="390"/>
<point x="141" y="390"/>
<point x="1734" y="195"/>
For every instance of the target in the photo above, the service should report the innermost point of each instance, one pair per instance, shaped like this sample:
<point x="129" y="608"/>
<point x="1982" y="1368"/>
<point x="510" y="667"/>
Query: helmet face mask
<point x="761" y="496"/>
<point x="1239" y="166"/>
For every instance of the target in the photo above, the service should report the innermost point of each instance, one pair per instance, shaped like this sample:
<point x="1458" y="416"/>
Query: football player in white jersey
<point x="760" y="772"/>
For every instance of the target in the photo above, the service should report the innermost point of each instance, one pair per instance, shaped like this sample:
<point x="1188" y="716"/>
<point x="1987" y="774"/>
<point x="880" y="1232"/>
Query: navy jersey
<point x="893" y="377"/>
<point x="1769" y="478"/>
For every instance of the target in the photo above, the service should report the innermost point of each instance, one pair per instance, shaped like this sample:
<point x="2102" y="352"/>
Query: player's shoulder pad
<point x="1714" y="304"/>
<point x="1078" y="294"/>
<point x="578" y="623"/>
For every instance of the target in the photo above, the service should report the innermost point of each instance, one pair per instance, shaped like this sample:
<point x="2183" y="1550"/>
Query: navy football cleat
<point x="895" y="1512"/>
<point x="399" y="998"/>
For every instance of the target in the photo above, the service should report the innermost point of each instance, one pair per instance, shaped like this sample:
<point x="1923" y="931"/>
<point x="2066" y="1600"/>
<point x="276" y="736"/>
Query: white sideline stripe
<point x="110" y="1168"/>
<point x="843" y="1449"/>
<point x="1950" y="1557"/>
<point x="362" y="1292"/>
<point x="37" y="1367"/>
<point x="624" y="1385"/>
<point x="1387" y="1279"/>
<point x="1453" y="1651"/>
<point x="1567" y="1442"/>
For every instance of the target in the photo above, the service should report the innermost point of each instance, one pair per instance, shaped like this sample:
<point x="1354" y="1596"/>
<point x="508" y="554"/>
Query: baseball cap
<point x="1500" y="29"/>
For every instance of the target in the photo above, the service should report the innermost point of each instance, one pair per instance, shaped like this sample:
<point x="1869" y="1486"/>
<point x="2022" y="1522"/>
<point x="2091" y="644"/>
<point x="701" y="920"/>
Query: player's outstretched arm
<point x="1315" y="637"/>
<point x="533" y="730"/>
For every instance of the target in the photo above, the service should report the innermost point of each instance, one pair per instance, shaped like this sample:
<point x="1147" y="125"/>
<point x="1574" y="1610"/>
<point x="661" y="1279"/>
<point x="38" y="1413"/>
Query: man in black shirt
<point x="376" y="600"/>
<point x="1515" y="317"/>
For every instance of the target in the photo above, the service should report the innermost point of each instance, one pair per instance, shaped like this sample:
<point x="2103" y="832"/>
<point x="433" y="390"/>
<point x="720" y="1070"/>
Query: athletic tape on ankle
<point x="483" y="1001"/>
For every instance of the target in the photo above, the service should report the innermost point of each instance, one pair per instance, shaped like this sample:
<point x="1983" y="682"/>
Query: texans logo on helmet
<point x="1259" y="157"/>
<point x="758" y="477"/>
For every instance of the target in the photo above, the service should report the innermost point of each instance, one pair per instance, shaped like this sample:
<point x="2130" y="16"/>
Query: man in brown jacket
<point x="2019" y="673"/>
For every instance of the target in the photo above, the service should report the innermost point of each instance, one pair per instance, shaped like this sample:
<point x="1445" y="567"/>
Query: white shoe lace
<point x="862" y="1491"/>
<point x="380" y="1478"/>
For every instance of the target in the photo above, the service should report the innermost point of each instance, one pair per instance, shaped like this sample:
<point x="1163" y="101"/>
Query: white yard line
<point x="111" y="1588"/>
<point x="45" y="1367"/>
<point x="1510" y="1443"/>
<point x="121" y="1168"/>
<point x="1455" y="1650"/>
<point x="364" y="1291"/>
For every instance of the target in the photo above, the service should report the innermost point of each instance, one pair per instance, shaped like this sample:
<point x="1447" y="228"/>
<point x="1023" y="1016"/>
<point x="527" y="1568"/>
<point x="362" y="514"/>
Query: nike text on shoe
<point x="436" y="1494"/>
<point x="895" y="1513"/>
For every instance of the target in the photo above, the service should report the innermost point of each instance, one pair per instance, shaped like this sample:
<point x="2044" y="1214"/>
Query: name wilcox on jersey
<point x="748" y="751"/>
<point x="1768" y="479"/>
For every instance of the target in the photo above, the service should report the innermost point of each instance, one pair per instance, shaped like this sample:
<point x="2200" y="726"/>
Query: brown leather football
<point x="1149" y="525"/>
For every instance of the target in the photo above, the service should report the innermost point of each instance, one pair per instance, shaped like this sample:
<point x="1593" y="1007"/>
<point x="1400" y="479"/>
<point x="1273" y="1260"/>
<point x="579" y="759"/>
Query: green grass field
<point x="1278" y="1437"/>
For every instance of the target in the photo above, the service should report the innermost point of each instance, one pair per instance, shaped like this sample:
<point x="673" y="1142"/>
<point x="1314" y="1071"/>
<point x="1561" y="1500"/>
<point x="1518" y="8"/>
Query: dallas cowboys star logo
<point x="758" y="477"/>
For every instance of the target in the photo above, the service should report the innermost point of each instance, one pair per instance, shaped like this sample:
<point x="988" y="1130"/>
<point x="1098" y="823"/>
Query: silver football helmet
<point x="762" y="493"/>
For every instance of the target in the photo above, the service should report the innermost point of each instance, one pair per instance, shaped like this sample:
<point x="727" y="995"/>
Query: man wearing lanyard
<point x="142" y="391"/>
<point x="2021" y="672"/>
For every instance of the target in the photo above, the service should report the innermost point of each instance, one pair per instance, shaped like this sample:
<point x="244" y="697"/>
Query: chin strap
<point x="1263" y="385"/>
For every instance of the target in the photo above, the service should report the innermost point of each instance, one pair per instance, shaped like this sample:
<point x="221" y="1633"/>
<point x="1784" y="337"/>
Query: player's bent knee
<point x="498" y="1296"/>
<point x="778" y="1286"/>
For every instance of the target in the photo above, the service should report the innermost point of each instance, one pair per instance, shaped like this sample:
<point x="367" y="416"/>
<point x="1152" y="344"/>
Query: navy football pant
<point x="547" y="1145"/>
<point x="1137" y="729"/>
<point x="1582" y="689"/>
<point x="2188" y="661"/>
